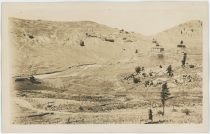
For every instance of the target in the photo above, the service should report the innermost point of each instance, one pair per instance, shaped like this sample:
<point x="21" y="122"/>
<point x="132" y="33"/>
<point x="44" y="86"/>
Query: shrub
<point x="138" y="69"/>
<point x="122" y="30"/>
<point x="150" y="74"/>
<point x="136" y="80"/>
<point x="160" y="112"/>
<point x="121" y="106"/>
<point x="31" y="36"/>
<point x="136" y="50"/>
<point x="82" y="43"/>
<point x="186" y="111"/>
<point x="110" y="40"/>
<point x="144" y="74"/>
<point x="191" y="66"/>
<point x="174" y="110"/>
<point x="81" y="108"/>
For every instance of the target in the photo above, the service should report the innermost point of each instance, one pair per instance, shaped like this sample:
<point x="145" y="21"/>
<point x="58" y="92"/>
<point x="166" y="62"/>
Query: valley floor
<point x="99" y="94"/>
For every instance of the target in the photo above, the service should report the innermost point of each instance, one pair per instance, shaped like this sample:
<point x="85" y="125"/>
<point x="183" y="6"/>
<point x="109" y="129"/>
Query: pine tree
<point x="184" y="59"/>
<point x="164" y="95"/>
<point x="150" y="115"/>
<point x="170" y="71"/>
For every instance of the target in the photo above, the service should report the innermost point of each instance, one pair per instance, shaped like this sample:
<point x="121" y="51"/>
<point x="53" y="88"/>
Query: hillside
<point x="88" y="73"/>
<point x="189" y="32"/>
<point x="49" y="45"/>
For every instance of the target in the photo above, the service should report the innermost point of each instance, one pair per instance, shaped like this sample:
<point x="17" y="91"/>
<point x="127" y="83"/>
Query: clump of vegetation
<point x="186" y="111"/>
<point x="144" y="74"/>
<point x="31" y="36"/>
<point x="160" y="112"/>
<point x="174" y="110"/>
<point x="82" y="43"/>
<point x="110" y="40"/>
<point x="138" y="69"/>
<point x="129" y="41"/>
<point x="136" y="51"/>
<point x="191" y="66"/>
<point x="136" y="80"/>
<point x="150" y="74"/>
<point x="164" y="95"/>
<point x="81" y="108"/>
<point x="170" y="71"/>
<point x="121" y="106"/>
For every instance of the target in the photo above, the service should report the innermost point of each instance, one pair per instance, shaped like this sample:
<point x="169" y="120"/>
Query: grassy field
<point x="92" y="95"/>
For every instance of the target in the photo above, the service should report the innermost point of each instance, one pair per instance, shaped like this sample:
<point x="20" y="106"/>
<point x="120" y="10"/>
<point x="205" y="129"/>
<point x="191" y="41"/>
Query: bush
<point x="122" y="30"/>
<point x="174" y="110"/>
<point x="191" y="66"/>
<point x="82" y="43"/>
<point x="136" y="51"/>
<point x="160" y="112"/>
<point x="81" y="108"/>
<point x="136" y="80"/>
<point x="186" y="111"/>
<point x="110" y="40"/>
<point x="138" y="69"/>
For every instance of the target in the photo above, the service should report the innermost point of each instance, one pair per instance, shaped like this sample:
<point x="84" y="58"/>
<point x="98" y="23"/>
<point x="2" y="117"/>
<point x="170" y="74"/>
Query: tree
<point x="164" y="95"/>
<point x="150" y="115"/>
<point x="169" y="71"/>
<point x="184" y="59"/>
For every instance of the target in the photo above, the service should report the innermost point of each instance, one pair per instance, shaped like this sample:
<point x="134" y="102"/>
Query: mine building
<point x="157" y="49"/>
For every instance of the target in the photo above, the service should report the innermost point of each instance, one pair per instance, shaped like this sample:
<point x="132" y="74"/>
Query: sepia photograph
<point x="109" y="63"/>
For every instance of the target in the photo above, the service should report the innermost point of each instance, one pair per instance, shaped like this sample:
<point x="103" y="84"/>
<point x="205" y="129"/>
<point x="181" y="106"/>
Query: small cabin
<point x="181" y="45"/>
<point x="157" y="49"/>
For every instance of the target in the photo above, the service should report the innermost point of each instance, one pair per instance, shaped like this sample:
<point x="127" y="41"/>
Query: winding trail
<point x="65" y="73"/>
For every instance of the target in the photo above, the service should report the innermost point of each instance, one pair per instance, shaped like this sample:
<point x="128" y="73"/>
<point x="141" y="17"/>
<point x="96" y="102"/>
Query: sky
<point x="147" y="18"/>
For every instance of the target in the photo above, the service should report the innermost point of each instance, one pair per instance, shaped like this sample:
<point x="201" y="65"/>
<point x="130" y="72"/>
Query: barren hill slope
<point x="46" y="46"/>
<point x="43" y="46"/>
<point x="190" y="33"/>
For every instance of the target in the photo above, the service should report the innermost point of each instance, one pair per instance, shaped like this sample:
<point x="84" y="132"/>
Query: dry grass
<point x="87" y="84"/>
